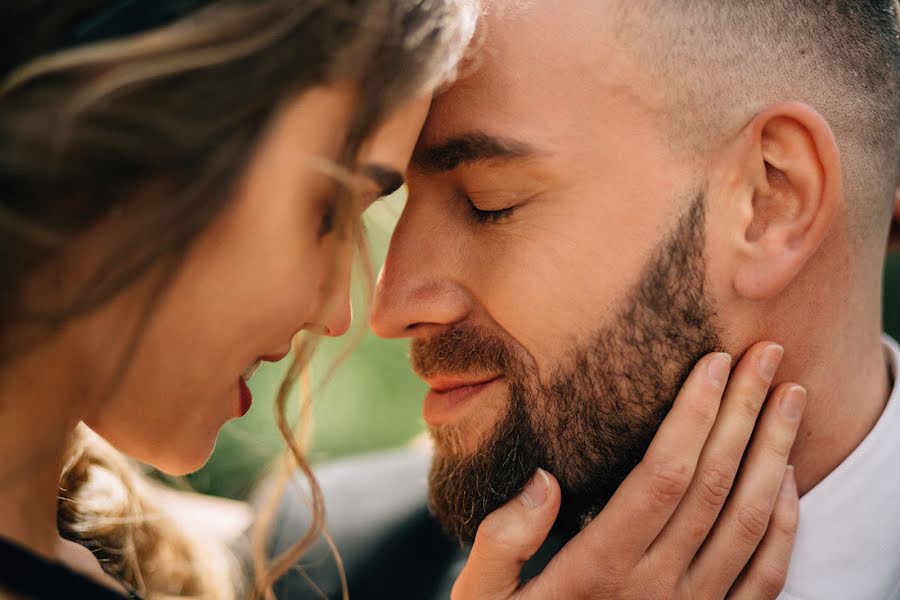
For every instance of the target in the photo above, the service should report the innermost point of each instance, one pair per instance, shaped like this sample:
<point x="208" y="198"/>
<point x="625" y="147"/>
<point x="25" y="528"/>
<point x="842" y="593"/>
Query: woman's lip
<point x="444" y="404"/>
<point x="251" y="370"/>
<point x="245" y="397"/>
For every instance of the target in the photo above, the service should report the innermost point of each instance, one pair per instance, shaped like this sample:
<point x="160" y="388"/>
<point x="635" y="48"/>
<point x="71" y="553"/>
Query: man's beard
<point x="591" y="422"/>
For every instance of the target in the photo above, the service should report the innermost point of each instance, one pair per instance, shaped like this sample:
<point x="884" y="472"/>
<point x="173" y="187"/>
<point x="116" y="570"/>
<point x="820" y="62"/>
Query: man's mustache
<point x="459" y="351"/>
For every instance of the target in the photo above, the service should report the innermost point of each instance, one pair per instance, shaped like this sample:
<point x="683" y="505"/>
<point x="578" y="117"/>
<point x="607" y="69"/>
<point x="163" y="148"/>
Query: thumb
<point x="507" y="538"/>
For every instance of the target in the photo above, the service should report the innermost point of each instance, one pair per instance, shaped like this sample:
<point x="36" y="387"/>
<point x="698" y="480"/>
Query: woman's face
<point x="265" y="269"/>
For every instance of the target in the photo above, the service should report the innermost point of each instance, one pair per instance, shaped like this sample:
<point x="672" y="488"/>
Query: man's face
<point x="549" y="266"/>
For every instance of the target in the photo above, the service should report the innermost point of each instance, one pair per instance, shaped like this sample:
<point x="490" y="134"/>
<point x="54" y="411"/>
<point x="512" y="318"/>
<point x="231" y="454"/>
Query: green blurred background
<point x="372" y="402"/>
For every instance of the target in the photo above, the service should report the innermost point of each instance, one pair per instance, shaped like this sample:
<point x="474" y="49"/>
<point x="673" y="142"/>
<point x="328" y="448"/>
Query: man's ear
<point x="791" y="167"/>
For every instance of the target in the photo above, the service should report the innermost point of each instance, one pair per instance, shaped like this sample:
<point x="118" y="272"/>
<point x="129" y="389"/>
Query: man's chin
<point x="464" y="490"/>
<point x="460" y="511"/>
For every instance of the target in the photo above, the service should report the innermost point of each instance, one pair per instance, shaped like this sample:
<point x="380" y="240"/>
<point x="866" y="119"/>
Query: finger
<point x="694" y="518"/>
<point x="507" y="538"/>
<point x="747" y="512"/>
<point x="620" y="535"/>
<point x="764" y="577"/>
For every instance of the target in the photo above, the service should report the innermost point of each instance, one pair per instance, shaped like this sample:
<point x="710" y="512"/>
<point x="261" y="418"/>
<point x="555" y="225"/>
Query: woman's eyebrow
<point x="388" y="180"/>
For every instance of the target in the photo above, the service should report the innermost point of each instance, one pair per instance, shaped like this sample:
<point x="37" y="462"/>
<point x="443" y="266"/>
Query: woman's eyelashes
<point x="330" y="208"/>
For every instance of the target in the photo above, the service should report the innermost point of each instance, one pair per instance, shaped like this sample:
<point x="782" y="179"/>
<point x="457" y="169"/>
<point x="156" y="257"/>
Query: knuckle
<point x="602" y="580"/>
<point x="777" y="446"/>
<point x="751" y="404"/>
<point x="655" y="590"/>
<point x="590" y="587"/>
<point x="771" y="580"/>
<point x="587" y="579"/>
<point x="786" y="522"/>
<point x="624" y="587"/>
<point x="752" y="522"/>
<point x="701" y="410"/>
<point x="662" y="593"/>
<point x="714" y="485"/>
<point x="497" y="533"/>
<point x="613" y="574"/>
<point x="669" y="482"/>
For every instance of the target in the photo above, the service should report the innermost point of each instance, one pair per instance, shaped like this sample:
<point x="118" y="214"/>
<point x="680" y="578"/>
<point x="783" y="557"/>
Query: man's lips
<point x="447" y="383"/>
<point x="449" y="394"/>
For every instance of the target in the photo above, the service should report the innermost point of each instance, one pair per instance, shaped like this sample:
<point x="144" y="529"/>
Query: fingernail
<point x="789" y="483"/>
<point x="792" y="403"/>
<point x="718" y="368"/>
<point x="769" y="361"/>
<point x="537" y="490"/>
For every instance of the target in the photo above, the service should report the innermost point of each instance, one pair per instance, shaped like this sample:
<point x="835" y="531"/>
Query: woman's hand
<point x="678" y="526"/>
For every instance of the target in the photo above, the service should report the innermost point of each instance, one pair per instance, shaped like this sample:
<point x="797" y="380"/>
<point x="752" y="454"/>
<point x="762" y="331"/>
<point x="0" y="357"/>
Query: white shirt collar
<point x="848" y="539"/>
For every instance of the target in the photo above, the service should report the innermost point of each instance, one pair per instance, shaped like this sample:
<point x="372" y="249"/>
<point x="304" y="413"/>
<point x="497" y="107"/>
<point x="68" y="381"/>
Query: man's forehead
<point x="538" y="67"/>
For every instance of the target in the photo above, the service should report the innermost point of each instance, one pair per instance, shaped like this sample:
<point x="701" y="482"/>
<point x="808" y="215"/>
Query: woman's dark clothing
<point x="24" y="573"/>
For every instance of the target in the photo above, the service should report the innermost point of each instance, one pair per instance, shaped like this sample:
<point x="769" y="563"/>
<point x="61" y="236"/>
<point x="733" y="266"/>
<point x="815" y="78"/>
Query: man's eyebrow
<point x="468" y="148"/>
<point x="388" y="180"/>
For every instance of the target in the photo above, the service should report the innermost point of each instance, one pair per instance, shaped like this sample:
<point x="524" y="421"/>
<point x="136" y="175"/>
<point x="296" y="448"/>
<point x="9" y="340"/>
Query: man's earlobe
<point x="793" y="170"/>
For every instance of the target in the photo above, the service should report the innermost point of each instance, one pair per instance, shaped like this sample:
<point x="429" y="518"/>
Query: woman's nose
<point x="337" y="323"/>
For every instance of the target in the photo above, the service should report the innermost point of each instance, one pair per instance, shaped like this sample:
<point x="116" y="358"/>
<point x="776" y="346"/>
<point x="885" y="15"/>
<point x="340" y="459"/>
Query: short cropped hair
<point x="719" y="62"/>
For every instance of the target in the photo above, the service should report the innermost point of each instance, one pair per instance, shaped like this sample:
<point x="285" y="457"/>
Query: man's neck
<point x="848" y="391"/>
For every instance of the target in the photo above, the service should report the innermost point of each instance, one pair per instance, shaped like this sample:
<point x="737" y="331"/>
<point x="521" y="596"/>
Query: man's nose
<point x="419" y="291"/>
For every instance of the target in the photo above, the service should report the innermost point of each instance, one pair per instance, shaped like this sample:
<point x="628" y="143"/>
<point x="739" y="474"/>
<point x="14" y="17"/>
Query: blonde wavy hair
<point x="84" y="130"/>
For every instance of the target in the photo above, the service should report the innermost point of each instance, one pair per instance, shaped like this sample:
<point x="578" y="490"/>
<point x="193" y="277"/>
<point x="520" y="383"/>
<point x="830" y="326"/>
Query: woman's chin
<point x="180" y="467"/>
<point x="183" y="461"/>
